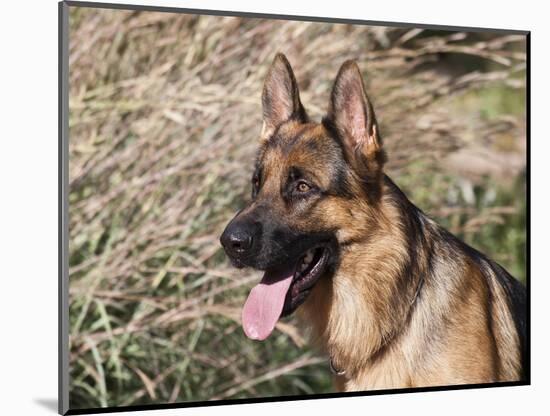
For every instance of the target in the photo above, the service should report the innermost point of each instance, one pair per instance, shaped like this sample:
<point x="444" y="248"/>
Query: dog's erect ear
<point x="280" y="97"/>
<point x="351" y="113"/>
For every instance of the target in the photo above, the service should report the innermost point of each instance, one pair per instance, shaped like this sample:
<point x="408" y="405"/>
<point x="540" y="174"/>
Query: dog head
<point x="314" y="190"/>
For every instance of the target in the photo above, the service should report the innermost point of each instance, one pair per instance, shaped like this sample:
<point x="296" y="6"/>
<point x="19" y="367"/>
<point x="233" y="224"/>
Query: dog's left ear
<point x="280" y="97"/>
<point x="351" y="113"/>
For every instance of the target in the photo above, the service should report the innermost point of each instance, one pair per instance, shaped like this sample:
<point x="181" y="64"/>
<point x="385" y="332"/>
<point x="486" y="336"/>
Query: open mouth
<point x="281" y="290"/>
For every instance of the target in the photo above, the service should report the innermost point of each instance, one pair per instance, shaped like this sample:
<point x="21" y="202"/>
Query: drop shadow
<point x="49" y="404"/>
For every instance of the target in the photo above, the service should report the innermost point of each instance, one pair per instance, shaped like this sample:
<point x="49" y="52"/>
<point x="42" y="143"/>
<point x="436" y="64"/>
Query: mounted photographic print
<point x="261" y="208"/>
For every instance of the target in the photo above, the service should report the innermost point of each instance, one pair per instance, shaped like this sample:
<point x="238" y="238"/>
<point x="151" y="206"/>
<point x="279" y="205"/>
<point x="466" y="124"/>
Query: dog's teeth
<point x="305" y="261"/>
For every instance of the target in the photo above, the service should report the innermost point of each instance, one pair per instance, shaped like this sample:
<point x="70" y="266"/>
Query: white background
<point x="28" y="213"/>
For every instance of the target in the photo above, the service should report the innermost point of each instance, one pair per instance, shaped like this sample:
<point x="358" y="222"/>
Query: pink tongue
<point x="265" y="303"/>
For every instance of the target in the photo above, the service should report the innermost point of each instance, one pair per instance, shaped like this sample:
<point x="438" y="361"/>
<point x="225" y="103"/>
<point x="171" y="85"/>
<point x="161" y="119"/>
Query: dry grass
<point x="164" y="119"/>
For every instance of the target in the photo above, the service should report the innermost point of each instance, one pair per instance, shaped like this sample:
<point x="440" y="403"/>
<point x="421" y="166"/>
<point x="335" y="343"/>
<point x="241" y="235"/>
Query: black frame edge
<point x="528" y="202"/>
<point x="63" y="208"/>
<point x="228" y="13"/>
<point x="225" y="402"/>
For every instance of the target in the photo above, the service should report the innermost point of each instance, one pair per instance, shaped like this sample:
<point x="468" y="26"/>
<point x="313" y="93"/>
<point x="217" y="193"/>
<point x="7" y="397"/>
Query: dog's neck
<point x="357" y="313"/>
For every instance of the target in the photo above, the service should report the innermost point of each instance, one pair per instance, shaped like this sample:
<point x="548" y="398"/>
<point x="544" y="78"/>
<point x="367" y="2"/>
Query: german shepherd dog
<point x="392" y="298"/>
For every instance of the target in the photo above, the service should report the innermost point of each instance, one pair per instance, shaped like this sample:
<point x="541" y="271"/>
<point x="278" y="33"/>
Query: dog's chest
<point x="379" y="376"/>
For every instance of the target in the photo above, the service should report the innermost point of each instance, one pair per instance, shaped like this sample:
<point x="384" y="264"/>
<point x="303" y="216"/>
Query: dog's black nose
<point x="237" y="239"/>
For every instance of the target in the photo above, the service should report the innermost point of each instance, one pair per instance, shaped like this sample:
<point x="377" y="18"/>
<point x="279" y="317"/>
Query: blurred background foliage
<point x="164" y="120"/>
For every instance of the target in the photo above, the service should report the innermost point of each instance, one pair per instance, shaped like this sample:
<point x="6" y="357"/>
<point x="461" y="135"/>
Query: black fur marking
<point x="371" y="185"/>
<point x="413" y="271"/>
<point x="340" y="185"/>
<point x="516" y="295"/>
<point x="312" y="145"/>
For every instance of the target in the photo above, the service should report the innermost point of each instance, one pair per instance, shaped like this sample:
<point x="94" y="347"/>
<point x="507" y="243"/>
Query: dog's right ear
<point x="280" y="97"/>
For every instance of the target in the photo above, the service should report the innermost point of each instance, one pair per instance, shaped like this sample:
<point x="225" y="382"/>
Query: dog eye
<point x="302" y="187"/>
<point x="255" y="186"/>
<point x="256" y="180"/>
